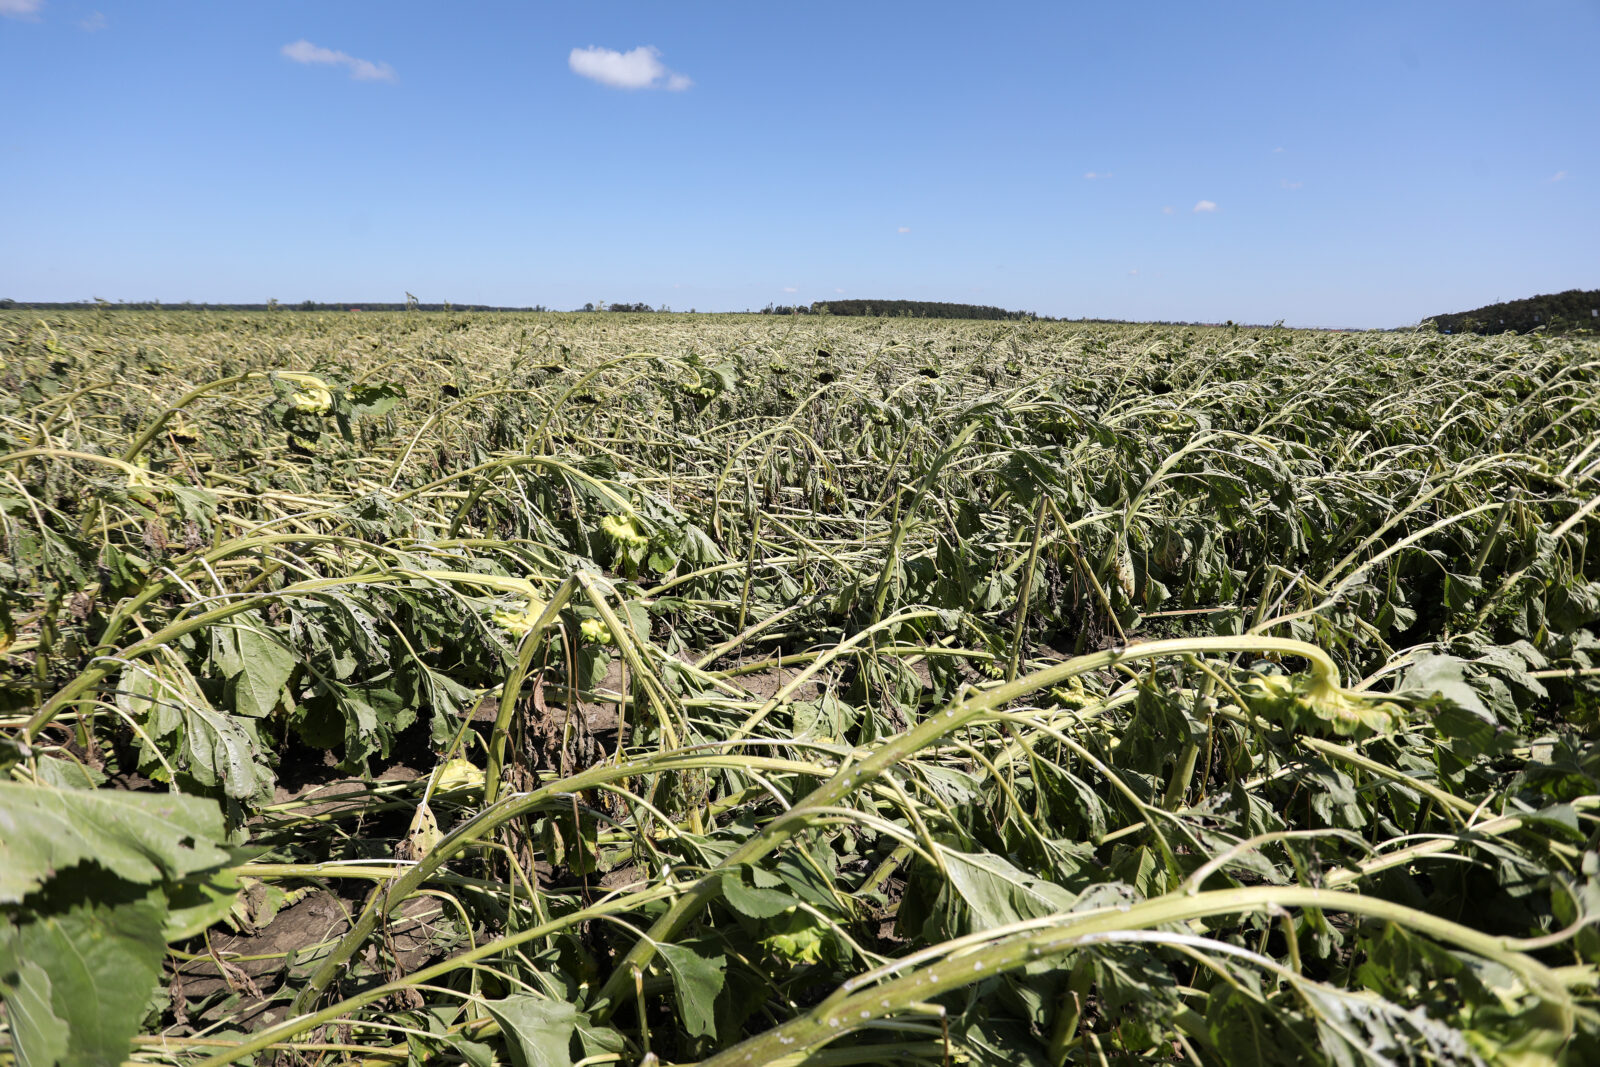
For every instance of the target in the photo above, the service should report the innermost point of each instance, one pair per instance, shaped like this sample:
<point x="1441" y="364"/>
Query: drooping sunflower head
<point x="596" y="632"/>
<point x="312" y="395"/>
<point x="314" y="400"/>
<point x="139" y="478"/>
<point x="520" y="622"/>
<point x="624" y="530"/>
<point x="1308" y="703"/>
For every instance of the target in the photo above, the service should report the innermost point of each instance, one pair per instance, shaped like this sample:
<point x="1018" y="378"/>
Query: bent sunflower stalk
<point x="852" y="776"/>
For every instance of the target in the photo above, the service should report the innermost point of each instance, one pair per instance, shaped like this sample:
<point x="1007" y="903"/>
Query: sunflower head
<point x="313" y="400"/>
<point x="596" y="632"/>
<point x="1307" y="702"/>
<point x="520" y="622"/>
<point x="139" y="478"/>
<point x="624" y="530"/>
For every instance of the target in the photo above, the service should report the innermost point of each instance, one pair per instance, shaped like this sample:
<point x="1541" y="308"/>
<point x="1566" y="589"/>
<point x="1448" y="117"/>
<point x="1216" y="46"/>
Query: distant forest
<point x="901" y="309"/>
<point x="1575" y="309"/>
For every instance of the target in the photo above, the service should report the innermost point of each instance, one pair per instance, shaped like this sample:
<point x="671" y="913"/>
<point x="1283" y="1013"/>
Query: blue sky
<point x="1338" y="164"/>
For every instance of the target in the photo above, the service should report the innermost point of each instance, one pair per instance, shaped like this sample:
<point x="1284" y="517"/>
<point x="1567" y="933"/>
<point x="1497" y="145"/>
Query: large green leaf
<point x="213" y="748"/>
<point x="257" y="666"/>
<point x="759" y="900"/>
<point x="142" y="837"/>
<point x="1440" y="684"/>
<point x="38" y="1034"/>
<point x="1443" y="679"/>
<point x="538" y="1031"/>
<point x="220" y="749"/>
<point x="697" y="980"/>
<point x="95" y="963"/>
<point x="199" y="901"/>
<point x="997" y="892"/>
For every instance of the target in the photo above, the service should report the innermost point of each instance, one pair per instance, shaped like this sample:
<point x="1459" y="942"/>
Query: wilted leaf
<point x="997" y="892"/>
<point x="538" y="1031"/>
<point x="374" y="400"/>
<point x="257" y="666"/>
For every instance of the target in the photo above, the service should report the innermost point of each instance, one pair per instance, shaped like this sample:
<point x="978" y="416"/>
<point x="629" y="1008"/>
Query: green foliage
<point x="539" y="1031"/>
<point x="92" y="885"/>
<point x="139" y="838"/>
<point x="709" y="625"/>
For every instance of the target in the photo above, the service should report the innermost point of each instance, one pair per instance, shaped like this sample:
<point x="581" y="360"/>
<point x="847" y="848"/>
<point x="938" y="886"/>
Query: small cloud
<point x="838" y="290"/>
<point x="361" y="70"/>
<point x="1167" y="210"/>
<point x="94" y="23"/>
<point x="1559" y="176"/>
<point x="1205" y="205"/>
<point x="1287" y="184"/>
<point x="790" y="289"/>
<point x="639" y="69"/>
<point x="1094" y="174"/>
<point x="1278" y="149"/>
<point x="1134" y="271"/>
<point x="20" y="9"/>
<point x="904" y="229"/>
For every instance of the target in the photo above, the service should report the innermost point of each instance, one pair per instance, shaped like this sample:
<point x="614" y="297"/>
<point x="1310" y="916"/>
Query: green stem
<point x="901" y="527"/>
<point x="895" y="749"/>
<point x="513" y="806"/>
<point x="1019" y="630"/>
<point x="861" y="1002"/>
<point x="531" y="642"/>
<point x="302" y="1022"/>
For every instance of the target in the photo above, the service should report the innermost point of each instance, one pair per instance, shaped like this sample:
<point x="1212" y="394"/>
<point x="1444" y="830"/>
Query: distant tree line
<point x="635" y="308"/>
<point x="271" y="305"/>
<point x="1575" y="309"/>
<point x="911" y="309"/>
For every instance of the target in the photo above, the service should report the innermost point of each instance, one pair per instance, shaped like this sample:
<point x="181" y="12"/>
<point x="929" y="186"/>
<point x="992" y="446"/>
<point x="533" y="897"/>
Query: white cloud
<point x="1092" y="175"/>
<point x="1287" y="184"/>
<point x="790" y="289"/>
<point x="904" y="229"/>
<point x="838" y="290"/>
<point x="1559" y="176"/>
<point x="639" y="69"/>
<point x="1278" y="149"/>
<point x="20" y="9"/>
<point x="361" y="70"/>
<point x="1134" y="271"/>
<point x="1167" y="210"/>
<point x="93" y="23"/>
<point x="1206" y="205"/>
